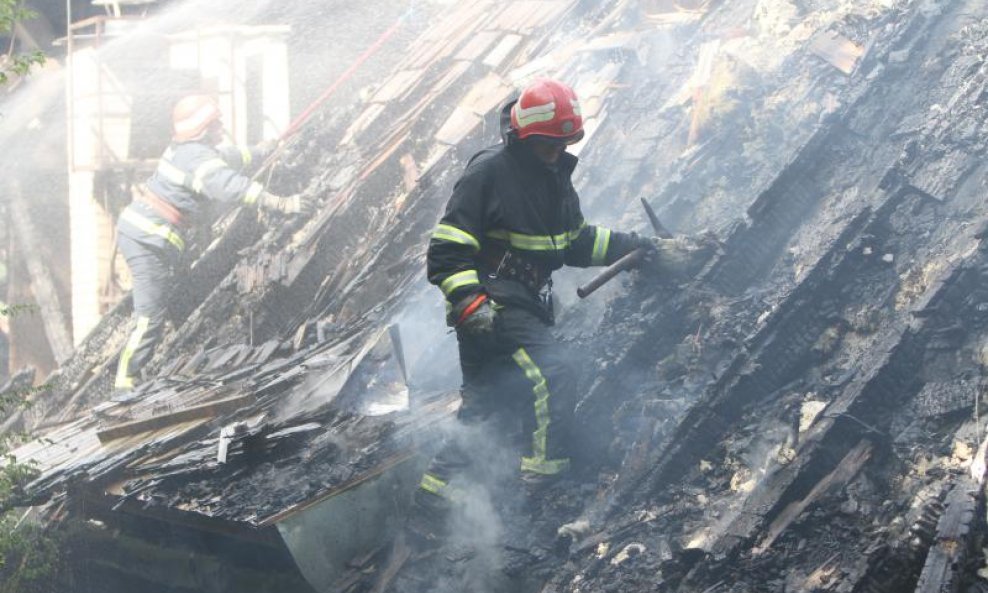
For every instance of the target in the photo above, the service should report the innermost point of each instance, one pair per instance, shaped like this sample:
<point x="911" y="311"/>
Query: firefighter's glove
<point x="266" y="148"/>
<point x="678" y="258"/>
<point x="474" y="314"/>
<point x="294" y="204"/>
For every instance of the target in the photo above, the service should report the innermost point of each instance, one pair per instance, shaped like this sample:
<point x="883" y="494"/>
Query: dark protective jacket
<point x="187" y="174"/>
<point x="508" y="201"/>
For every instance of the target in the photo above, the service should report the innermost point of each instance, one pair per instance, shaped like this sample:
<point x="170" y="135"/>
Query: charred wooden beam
<point x="944" y="569"/>
<point x="841" y="475"/>
<point x="206" y="410"/>
<point x="42" y="284"/>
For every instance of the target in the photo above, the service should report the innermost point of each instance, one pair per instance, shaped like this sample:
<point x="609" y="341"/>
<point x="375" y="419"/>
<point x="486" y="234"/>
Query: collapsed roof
<point x="800" y="417"/>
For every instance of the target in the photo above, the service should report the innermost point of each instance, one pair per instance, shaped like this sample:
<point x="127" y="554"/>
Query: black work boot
<point x="425" y="526"/>
<point x="537" y="484"/>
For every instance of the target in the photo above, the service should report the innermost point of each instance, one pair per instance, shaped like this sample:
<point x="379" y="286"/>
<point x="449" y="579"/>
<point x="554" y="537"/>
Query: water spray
<point x="299" y="122"/>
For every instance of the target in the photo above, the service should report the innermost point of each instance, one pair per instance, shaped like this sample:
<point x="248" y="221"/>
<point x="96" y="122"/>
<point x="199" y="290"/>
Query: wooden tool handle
<point x="628" y="261"/>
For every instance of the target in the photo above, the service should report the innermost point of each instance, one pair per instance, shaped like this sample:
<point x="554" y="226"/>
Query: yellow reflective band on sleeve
<point x="446" y="232"/>
<point x="253" y="192"/>
<point x="538" y="462"/>
<point x="203" y="171"/>
<point x="600" y="245"/>
<point x="124" y="380"/>
<point x="150" y="227"/>
<point x="246" y="156"/>
<point x="459" y="280"/>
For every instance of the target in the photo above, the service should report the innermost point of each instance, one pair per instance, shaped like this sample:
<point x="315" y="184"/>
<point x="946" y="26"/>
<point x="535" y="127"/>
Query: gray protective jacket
<point x="188" y="174"/>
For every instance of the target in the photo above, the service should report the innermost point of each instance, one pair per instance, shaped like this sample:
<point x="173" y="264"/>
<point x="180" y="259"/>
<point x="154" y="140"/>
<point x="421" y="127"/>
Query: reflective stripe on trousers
<point x="539" y="462"/>
<point x="125" y="377"/>
<point x="152" y="270"/>
<point x="150" y="227"/>
<point x="524" y="395"/>
<point x="435" y="485"/>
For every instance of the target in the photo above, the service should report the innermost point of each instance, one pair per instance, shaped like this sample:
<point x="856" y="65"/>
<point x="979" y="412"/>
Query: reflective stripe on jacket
<point x="508" y="199"/>
<point x="189" y="172"/>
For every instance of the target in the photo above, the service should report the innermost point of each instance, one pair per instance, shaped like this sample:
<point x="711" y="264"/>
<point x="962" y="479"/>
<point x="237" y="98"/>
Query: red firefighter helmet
<point x="192" y="116"/>
<point x="548" y="108"/>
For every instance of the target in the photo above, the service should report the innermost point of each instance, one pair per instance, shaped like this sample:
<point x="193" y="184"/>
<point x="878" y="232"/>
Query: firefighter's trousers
<point x="153" y="273"/>
<point x="519" y="383"/>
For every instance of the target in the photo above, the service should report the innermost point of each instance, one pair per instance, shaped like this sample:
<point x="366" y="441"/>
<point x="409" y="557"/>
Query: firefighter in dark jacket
<point x="150" y="230"/>
<point x="513" y="218"/>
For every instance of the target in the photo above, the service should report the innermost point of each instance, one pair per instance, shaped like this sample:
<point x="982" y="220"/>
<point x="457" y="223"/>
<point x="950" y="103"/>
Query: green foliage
<point x="12" y="11"/>
<point x="19" y="397"/>
<point x="11" y="310"/>
<point x="19" y="65"/>
<point x="15" y="64"/>
<point x="28" y="557"/>
<point x="27" y="553"/>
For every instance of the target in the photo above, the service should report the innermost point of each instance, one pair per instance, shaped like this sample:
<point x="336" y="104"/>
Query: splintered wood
<point x="841" y="475"/>
<point x="839" y="51"/>
<point x="206" y="410"/>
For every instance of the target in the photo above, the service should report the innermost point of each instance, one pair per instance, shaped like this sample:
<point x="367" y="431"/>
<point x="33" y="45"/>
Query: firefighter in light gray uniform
<point x="150" y="229"/>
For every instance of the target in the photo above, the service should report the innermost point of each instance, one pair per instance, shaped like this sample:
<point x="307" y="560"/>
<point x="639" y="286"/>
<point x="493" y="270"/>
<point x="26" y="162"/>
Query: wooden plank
<point x="665" y="12"/>
<point x="521" y="16"/>
<point x="363" y="120"/>
<point x="946" y="564"/>
<point x="397" y="86"/>
<point x="446" y="38"/>
<point x="551" y="11"/>
<point x="384" y="156"/>
<point x="374" y="472"/>
<point x="205" y="410"/>
<point x="409" y="171"/>
<point x="400" y="552"/>
<point x="458" y="126"/>
<point x="42" y="283"/>
<point x="455" y="39"/>
<point x="502" y="50"/>
<point x="449" y="78"/>
<point x="421" y="54"/>
<point x="839" y="51"/>
<point x="487" y="95"/>
<point x="467" y="16"/>
<point x="841" y="475"/>
<point x="479" y="44"/>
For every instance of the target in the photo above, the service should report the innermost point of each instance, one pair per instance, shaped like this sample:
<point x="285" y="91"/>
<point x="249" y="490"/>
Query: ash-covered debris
<point x="883" y="347"/>
<point x="802" y="416"/>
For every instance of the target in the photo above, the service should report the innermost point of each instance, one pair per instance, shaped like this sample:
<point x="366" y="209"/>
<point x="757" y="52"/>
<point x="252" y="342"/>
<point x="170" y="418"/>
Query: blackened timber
<point x="776" y="216"/>
<point x="85" y="378"/>
<point x="42" y="284"/>
<point x="784" y="205"/>
<point x="945" y="563"/>
<point x="783" y="344"/>
<point x="206" y="410"/>
<point x="845" y="470"/>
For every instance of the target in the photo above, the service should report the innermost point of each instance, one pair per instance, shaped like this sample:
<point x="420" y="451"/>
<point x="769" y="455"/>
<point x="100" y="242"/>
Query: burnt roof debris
<point x="802" y="416"/>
